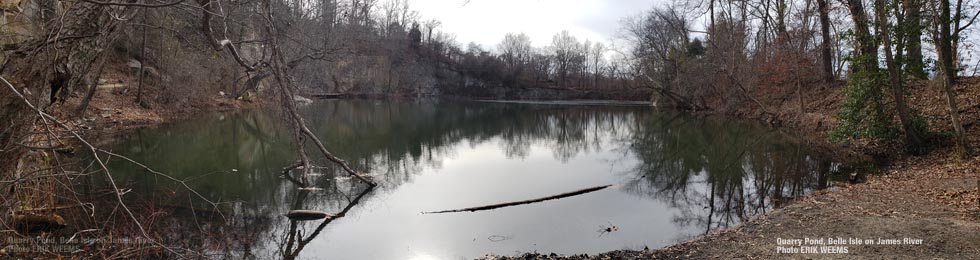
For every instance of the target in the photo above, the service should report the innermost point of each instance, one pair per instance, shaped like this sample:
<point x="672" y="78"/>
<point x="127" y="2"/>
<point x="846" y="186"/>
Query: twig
<point x="285" y="174"/>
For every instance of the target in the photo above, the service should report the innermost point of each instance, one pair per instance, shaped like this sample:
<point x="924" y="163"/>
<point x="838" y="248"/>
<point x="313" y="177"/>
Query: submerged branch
<point x="516" y="203"/>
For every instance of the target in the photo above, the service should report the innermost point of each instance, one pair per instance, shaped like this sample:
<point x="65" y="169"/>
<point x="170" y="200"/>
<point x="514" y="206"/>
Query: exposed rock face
<point x="15" y="26"/>
<point x="134" y="66"/>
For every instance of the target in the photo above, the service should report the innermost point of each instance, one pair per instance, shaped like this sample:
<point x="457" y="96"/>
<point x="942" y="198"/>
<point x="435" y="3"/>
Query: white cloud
<point x="487" y="21"/>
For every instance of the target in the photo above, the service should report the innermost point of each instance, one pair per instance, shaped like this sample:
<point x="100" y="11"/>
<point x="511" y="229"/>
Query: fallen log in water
<point x="302" y="215"/>
<point x="516" y="203"/>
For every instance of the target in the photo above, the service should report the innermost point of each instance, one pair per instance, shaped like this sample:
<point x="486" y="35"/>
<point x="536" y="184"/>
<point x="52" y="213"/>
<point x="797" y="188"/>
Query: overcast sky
<point x="487" y="21"/>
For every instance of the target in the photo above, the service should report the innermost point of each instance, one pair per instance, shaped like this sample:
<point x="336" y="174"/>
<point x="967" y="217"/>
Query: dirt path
<point x="931" y="198"/>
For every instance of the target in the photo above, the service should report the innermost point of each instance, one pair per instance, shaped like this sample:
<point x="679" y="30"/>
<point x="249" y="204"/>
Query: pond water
<point x="674" y="176"/>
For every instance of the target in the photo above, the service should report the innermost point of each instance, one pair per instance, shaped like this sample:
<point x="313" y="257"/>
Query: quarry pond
<point x="673" y="176"/>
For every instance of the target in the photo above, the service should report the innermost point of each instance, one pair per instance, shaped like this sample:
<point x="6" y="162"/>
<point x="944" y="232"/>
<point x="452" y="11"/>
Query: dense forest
<point x="778" y="60"/>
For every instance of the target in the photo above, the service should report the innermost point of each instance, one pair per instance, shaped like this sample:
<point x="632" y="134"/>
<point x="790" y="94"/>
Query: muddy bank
<point x="909" y="207"/>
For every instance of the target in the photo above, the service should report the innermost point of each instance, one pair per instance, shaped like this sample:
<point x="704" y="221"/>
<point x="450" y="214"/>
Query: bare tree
<point x="659" y="42"/>
<point x="430" y="26"/>
<point x="597" y="62"/>
<point x="565" y="48"/>
<point x="516" y="51"/>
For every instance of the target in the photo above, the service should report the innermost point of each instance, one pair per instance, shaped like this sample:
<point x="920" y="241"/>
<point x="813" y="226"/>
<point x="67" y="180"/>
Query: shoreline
<point x="111" y="114"/>
<point x="931" y="197"/>
<point x="869" y="205"/>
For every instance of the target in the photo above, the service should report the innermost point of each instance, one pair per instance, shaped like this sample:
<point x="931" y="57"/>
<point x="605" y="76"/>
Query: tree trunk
<point x="866" y="43"/>
<point x="139" y="88"/>
<point x="913" y="139"/>
<point x="781" y="30"/>
<point x="93" y="85"/>
<point x="912" y="27"/>
<point x="825" y="53"/>
<point x="944" y="41"/>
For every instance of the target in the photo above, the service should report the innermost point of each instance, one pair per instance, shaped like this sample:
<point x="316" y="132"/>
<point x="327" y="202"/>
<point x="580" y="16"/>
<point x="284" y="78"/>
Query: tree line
<point x="372" y="47"/>
<point x="868" y="49"/>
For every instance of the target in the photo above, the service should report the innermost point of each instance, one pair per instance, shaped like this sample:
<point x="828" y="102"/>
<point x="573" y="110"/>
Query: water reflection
<point x="729" y="168"/>
<point x="677" y="176"/>
<point x="295" y="240"/>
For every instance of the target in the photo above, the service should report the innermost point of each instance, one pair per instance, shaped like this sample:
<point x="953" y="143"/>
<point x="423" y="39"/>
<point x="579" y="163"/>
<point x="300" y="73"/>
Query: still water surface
<point x="675" y="176"/>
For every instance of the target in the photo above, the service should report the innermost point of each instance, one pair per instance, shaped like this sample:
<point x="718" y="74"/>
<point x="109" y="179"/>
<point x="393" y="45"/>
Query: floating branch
<point x="303" y="215"/>
<point x="516" y="203"/>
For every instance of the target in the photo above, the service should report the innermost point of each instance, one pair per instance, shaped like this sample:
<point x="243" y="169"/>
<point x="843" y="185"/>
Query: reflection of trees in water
<point x="717" y="173"/>
<point x="396" y="139"/>
<point x="223" y="158"/>
<point x="293" y="240"/>
<point x="729" y="170"/>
